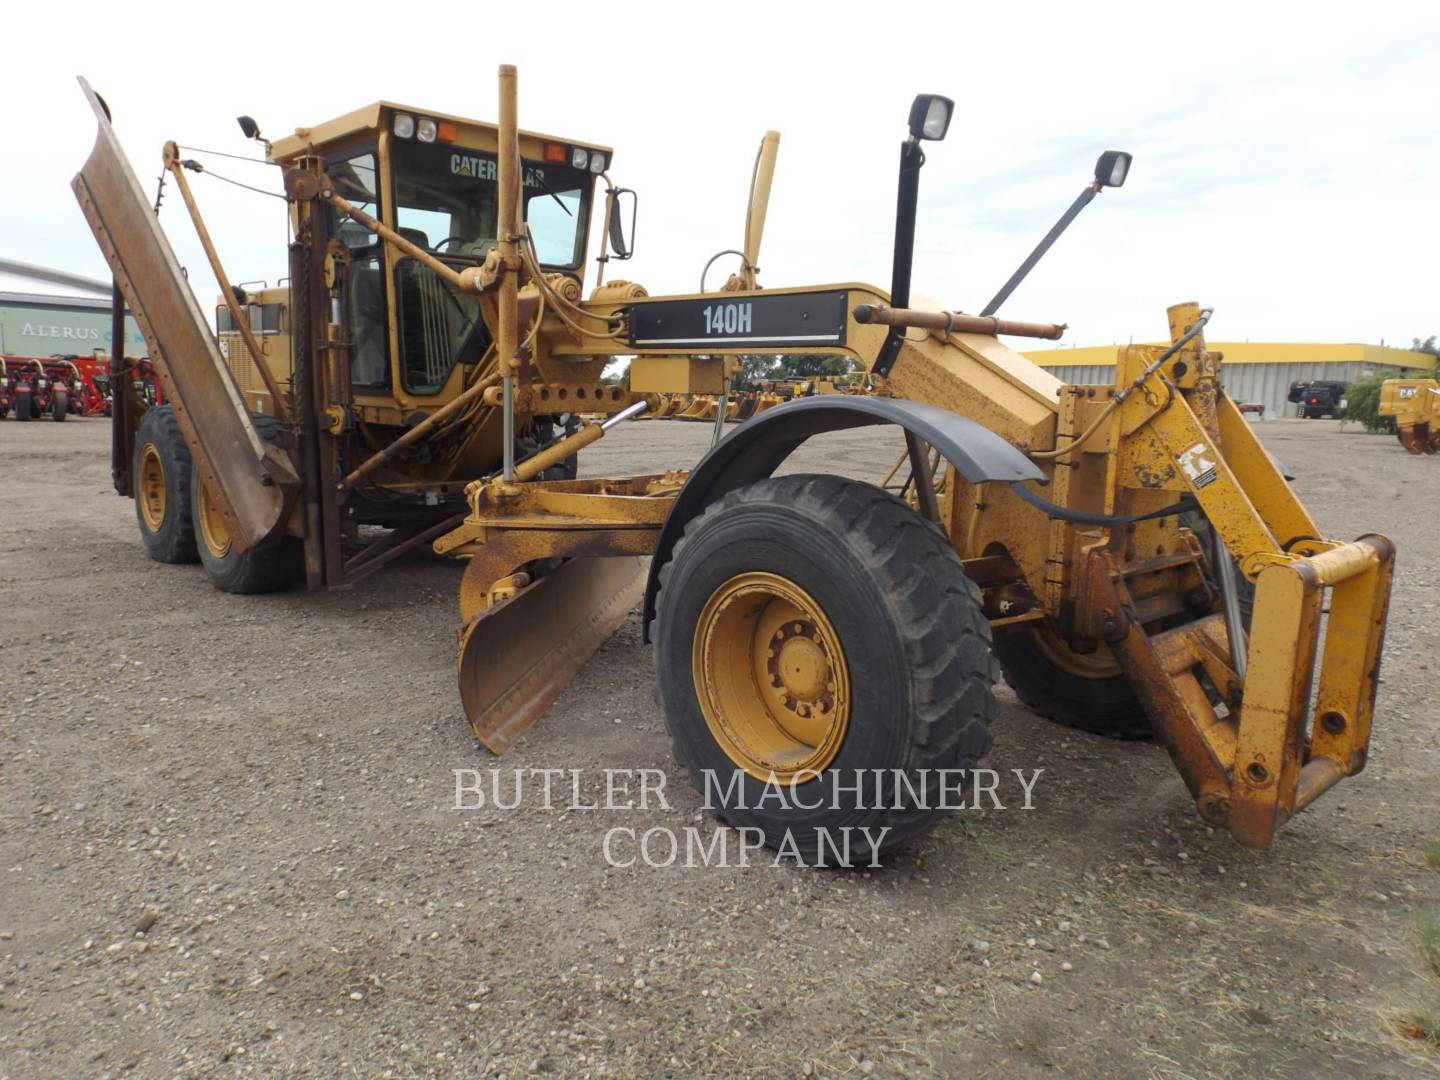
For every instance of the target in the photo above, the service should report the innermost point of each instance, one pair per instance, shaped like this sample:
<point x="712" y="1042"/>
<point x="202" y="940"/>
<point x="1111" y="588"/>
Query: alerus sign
<point x="68" y="333"/>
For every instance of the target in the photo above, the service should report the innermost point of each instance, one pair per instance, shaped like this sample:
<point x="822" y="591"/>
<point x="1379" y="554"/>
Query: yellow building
<point x="1255" y="371"/>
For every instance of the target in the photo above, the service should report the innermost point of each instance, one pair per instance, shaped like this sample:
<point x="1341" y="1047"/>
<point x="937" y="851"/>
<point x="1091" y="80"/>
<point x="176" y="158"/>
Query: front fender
<point x="757" y="448"/>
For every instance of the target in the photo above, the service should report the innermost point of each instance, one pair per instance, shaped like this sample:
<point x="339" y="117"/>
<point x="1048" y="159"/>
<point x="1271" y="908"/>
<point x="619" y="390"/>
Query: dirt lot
<point x="267" y="784"/>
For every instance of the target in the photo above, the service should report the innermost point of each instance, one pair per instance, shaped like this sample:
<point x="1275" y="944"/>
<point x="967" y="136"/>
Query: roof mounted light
<point x="425" y="129"/>
<point x="403" y="125"/>
<point x="597" y="162"/>
<point x="930" y="117"/>
<point x="579" y="157"/>
<point x="1111" y="168"/>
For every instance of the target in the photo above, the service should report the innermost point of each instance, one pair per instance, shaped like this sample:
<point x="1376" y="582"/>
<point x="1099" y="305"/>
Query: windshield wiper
<point x="540" y="183"/>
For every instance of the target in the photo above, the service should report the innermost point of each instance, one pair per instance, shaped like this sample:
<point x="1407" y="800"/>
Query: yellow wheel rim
<point x="771" y="678"/>
<point x="214" y="533"/>
<point x="1101" y="664"/>
<point x="151" y="488"/>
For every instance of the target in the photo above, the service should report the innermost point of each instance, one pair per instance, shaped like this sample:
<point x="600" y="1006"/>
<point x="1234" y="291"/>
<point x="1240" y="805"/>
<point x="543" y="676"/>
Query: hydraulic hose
<point x="1119" y="399"/>
<point x="1084" y="517"/>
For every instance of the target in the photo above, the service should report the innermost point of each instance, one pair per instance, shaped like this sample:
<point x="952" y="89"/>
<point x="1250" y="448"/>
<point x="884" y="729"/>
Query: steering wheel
<point x="474" y="249"/>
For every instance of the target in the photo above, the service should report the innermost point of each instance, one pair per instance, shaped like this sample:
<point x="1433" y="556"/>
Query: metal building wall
<point x="1266" y="384"/>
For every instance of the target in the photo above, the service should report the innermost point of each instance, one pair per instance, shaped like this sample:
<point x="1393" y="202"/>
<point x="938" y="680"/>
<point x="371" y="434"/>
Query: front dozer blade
<point x="516" y="656"/>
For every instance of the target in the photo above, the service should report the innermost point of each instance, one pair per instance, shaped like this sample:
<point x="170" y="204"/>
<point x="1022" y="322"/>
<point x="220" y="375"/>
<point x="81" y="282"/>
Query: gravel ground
<point x="228" y="846"/>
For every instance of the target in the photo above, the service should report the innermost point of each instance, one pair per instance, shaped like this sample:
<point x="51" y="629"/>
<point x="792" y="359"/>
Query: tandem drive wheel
<point x="810" y="631"/>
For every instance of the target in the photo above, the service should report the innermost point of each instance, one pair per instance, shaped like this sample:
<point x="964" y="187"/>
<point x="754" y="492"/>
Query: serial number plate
<point x="779" y="322"/>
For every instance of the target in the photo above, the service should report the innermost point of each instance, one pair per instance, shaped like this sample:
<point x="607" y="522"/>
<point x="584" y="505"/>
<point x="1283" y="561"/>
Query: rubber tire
<point x="59" y="405"/>
<point x="916" y="644"/>
<point x="23" y="406"/>
<point x="1106" y="707"/>
<point x="272" y="568"/>
<point x="543" y="431"/>
<point x="174" y="541"/>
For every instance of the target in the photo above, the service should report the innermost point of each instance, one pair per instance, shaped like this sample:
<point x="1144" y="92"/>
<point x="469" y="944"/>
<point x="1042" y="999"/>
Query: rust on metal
<point x="420" y="430"/>
<point x="956" y="323"/>
<point x="547" y="631"/>
<point x="254" y="483"/>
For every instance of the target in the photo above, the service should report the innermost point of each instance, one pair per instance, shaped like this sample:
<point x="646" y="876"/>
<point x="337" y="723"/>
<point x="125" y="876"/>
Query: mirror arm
<point x="1082" y="201"/>
<point x="604" y="256"/>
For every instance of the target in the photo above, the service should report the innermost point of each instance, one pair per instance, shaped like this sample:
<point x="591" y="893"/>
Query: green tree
<point x="1363" y="402"/>
<point x="1363" y="395"/>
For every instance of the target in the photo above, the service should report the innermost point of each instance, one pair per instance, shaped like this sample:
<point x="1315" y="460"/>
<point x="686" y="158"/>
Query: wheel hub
<point x="151" y="488"/>
<point x="771" y="677"/>
<point x="214" y="533"/>
<point x="799" y="664"/>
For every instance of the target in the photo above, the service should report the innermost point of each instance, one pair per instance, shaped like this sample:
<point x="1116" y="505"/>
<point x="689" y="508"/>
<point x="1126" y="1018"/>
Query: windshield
<point x="445" y="200"/>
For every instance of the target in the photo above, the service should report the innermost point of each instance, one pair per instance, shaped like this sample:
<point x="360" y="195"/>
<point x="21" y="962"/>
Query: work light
<point x="425" y="129"/>
<point x="1111" y="168"/>
<point x="404" y="125"/>
<point x="579" y="158"/>
<point x="597" y="163"/>
<point x="930" y="116"/>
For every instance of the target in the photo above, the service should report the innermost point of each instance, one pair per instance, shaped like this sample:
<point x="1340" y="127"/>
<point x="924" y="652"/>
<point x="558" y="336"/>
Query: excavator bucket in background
<point x="254" y="483"/>
<point x="701" y="407"/>
<point x="1419" y="439"/>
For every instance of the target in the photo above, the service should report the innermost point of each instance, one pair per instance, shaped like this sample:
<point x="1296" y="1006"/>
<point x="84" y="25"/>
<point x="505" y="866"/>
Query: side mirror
<point x="622" y="243"/>
<point x="1111" y="168"/>
<point x="930" y="117"/>
<point x="248" y="126"/>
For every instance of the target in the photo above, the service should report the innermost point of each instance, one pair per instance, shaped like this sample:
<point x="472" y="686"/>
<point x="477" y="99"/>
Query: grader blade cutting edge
<point x="516" y="656"/>
<point x="254" y="483"/>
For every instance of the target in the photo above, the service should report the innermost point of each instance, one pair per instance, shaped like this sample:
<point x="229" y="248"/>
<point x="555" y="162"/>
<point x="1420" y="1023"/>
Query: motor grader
<point x="1128" y="553"/>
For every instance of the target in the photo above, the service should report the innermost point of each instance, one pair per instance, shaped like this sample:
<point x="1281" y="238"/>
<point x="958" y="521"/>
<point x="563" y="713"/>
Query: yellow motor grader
<point x="1128" y="553"/>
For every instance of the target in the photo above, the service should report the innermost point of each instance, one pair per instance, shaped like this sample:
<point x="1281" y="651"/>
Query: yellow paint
<point x="1255" y="352"/>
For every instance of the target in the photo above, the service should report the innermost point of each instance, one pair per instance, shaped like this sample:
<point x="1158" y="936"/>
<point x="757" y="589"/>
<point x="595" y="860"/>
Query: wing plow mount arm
<point x="952" y="321"/>
<point x="758" y="447"/>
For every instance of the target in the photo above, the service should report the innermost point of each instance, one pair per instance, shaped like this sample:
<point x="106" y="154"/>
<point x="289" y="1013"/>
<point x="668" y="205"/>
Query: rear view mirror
<point x="623" y="201"/>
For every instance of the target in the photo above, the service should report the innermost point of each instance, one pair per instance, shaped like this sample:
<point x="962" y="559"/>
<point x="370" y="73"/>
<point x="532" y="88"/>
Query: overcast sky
<point x="1287" y="157"/>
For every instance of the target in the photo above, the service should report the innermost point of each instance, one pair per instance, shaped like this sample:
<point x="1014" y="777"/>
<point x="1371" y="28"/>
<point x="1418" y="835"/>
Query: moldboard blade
<point x="517" y="656"/>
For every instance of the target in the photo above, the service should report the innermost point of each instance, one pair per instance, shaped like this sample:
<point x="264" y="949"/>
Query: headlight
<point x="404" y="125"/>
<point x="425" y="130"/>
<point x="597" y="163"/>
<point x="930" y="116"/>
<point x="579" y="158"/>
<point x="1112" y="168"/>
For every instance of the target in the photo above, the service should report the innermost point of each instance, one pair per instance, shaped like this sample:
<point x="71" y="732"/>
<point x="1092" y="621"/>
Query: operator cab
<point x="414" y="338"/>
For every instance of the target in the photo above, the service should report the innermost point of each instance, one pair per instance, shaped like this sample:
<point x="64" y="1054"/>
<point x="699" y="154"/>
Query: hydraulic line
<point x="1084" y="517"/>
<point x="1119" y="399"/>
